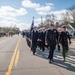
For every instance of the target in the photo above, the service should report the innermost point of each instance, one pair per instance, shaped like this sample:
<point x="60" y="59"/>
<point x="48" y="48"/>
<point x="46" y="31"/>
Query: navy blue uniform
<point x="40" y="39"/>
<point x="27" y="39"/>
<point x="52" y="37"/>
<point x="43" y="40"/>
<point x="23" y="34"/>
<point x="59" y="33"/>
<point x="34" y="37"/>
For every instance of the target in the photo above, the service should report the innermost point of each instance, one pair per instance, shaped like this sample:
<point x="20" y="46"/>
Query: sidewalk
<point x="29" y="64"/>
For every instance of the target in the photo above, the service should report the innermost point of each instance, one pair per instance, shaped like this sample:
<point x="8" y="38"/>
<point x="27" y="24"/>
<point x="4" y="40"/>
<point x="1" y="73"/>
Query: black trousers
<point x="51" y="52"/>
<point x="34" y="46"/>
<point x="43" y="46"/>
<point x="58" y="47"/>
<point x="28" y="43"/>
<point x="39" y="44"/>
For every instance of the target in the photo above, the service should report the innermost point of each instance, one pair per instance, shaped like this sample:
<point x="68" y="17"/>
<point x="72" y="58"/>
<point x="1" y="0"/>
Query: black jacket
<point x="64" y="37"/>
<point x="40" y="36"/>
<point x="34" y="36"/>
<point x="52" y="36"/>
<point x="43" y="36"/>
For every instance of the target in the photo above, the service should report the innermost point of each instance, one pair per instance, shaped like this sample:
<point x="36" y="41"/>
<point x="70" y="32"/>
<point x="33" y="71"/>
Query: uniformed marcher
<point x="40" y="38"/>
<point x="46" y="44"/>
<point x="23" y="33"/>
<point x="43" y="38"/>
<point x="28" y="38"/>
<point x="59" y="33"/>
<point x="64" y="37"/>
<point x="34" y="37"/>
<point x="52" y="36"/>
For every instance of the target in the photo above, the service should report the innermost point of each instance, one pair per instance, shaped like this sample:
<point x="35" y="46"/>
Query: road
<point x="17" y="59"/>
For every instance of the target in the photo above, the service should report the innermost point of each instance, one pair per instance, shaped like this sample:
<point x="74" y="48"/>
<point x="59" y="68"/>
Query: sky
<point x="19" y="13"/>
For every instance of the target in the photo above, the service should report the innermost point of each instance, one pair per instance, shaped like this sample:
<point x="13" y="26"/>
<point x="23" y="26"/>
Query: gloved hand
<point x="38" y="39"/>
<point x="46" y="43"/>
<point x="59" y="44"/>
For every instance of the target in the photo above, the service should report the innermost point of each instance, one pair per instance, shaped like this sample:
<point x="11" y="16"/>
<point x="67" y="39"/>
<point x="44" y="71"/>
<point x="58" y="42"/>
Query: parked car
<point x="0" y="34"/>
<point x="71" y="34"/>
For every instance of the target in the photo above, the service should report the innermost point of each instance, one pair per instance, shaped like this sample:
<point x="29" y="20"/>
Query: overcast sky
<point x="19" y="13"/>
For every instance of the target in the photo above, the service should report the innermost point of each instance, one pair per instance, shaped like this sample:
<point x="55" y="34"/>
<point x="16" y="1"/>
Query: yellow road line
<point x="13" y="59"/>
<point x="17" y="57"/>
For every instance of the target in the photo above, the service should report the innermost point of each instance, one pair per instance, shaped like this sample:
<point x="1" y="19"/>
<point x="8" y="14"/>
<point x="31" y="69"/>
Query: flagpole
<point x="33" y="18"/>
<point x="30" y="40"/>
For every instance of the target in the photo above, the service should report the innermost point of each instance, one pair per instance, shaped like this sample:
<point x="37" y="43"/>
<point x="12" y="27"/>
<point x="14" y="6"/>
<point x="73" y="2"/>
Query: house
<point x="73" y="25"/>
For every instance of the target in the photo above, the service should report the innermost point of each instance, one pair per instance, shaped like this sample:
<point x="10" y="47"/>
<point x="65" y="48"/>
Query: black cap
<point x="64" y="26"/>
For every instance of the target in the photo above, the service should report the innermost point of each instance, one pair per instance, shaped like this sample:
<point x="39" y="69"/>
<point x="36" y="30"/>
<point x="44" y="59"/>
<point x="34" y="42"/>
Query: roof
<point x="73" y="25"/>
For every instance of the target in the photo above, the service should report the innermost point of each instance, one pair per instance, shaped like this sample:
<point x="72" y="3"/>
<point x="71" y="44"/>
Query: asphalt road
<point x="17" y="59"/>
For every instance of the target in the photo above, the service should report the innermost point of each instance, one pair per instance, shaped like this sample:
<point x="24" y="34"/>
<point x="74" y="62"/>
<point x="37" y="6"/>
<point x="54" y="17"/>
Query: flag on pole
<point x="32" y="25"/>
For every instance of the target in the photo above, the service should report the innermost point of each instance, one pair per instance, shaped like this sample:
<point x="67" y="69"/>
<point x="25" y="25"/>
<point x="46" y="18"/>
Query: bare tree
<point x="72" y="12"/>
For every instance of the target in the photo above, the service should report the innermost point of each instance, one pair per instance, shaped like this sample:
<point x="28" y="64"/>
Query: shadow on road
<point x="69" y="64"/>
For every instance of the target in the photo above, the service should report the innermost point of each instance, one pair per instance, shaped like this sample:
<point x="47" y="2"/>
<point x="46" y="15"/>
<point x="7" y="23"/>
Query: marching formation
<point x="49" y="38"/>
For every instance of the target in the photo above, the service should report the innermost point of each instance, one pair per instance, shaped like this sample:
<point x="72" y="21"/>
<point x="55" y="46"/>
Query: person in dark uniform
<point x="43" y="38"/>
<point x="34" y="37"/>
<point x="40" y="38"/>
<point x="46" y="44"/>
<point x="59" y="33"/>
<point x="52" y="37"/>
<point x="28" y="38"/>
<point x="64" y="37"/>
<point x="23" y="34"/>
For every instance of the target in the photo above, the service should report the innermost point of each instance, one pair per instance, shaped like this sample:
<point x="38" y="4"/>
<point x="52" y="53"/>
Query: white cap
<point x="34" y="26"/>
<point x="58" y="28"/>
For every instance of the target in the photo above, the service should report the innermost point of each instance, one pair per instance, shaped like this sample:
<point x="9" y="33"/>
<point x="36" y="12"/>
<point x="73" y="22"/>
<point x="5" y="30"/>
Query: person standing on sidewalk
<point x="64" y="37"/>
<point x="52" y="37"/>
